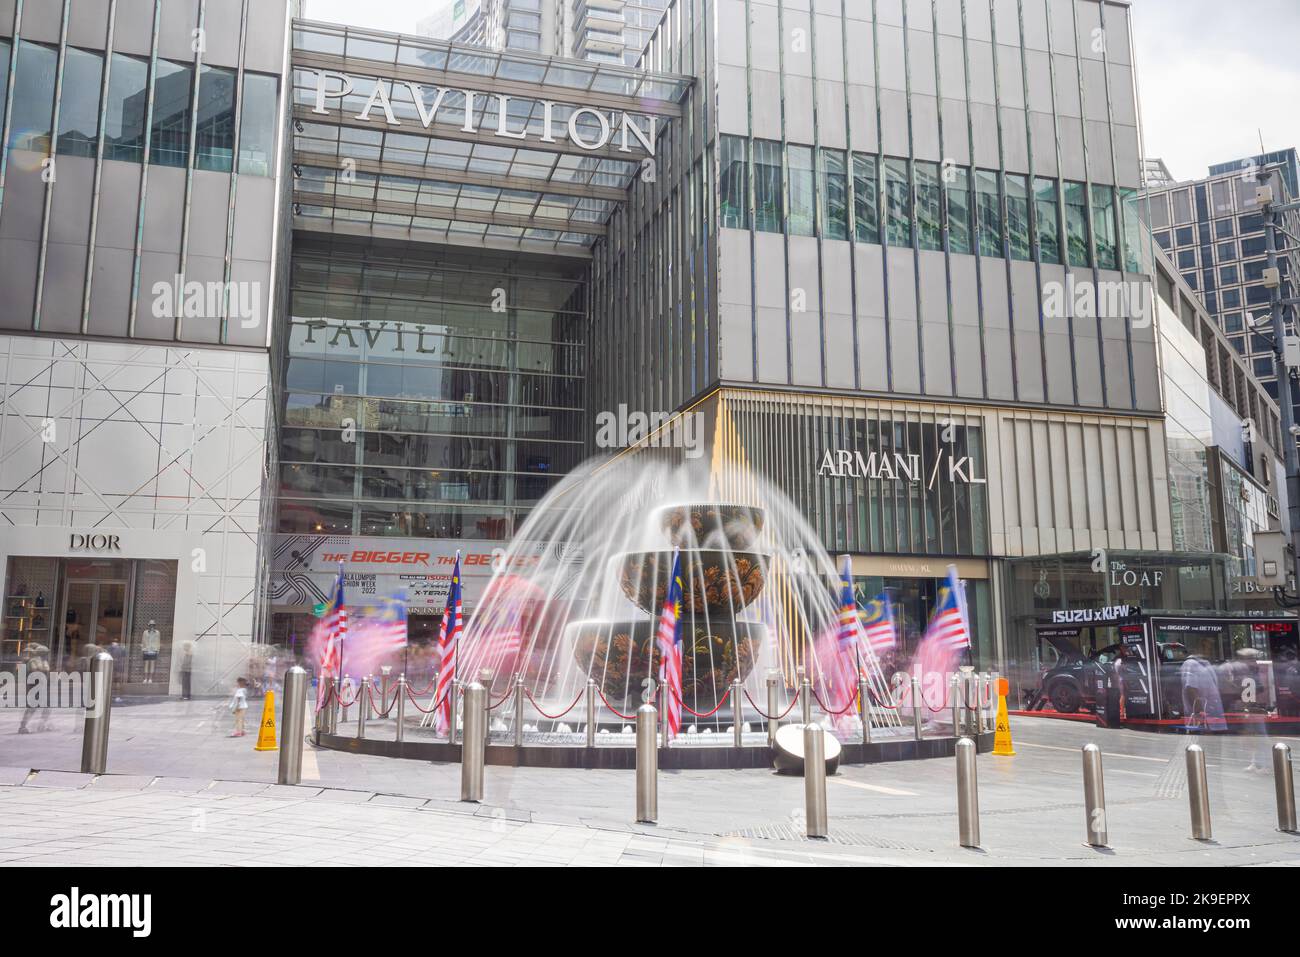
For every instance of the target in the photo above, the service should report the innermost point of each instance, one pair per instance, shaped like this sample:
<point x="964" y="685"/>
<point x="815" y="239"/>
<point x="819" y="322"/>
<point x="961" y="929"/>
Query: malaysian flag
<point x="448" y="642"/>
<point x="334" y="626"/>
<point x="948" y="626"/>
<point x="391" y="621"/>
<point x="669" y="640"/>
<point x="878" y="624"/>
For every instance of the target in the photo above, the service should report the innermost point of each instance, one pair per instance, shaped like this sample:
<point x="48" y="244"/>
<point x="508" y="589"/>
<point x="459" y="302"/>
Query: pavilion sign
<point x="617" y="128"/>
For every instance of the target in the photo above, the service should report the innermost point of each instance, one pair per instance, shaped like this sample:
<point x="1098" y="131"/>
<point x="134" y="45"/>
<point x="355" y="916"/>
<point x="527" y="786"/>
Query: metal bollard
<point x="291" y="720"/>
<point x="591" y="712"/>
<point x="737" y="715"/>
<point x="1198" y="793"/>
<point x="94" y="743"/>
<point x="814" y="780"/>
<point x="1094" y="796"/>
<point x="805" y="697"/>
<point x="647" y="765"/>
<point x="344" y="715"/>
<point x="864" y="706"/>
<point x="472" y="750"/>
<point x="519" y="711"/>
<point x="401" y="708"/>
<point x="954" y="690"/>
<point x="917" y="705"/>
<point x="363" y="707"/>
<point x="968" y="799"/>
<point x="772" y="678"/>
<point x="1285" y="788"/>
<point x="994" y="678"/>
<point x="384" y="676"/>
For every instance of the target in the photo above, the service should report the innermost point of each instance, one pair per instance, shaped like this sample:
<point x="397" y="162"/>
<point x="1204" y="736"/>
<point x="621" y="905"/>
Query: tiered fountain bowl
<point x="722" y="574"/>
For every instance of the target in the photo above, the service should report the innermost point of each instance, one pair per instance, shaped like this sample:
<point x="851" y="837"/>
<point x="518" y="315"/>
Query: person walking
<point x="187" y="670"/>
<point x="239" y="706"/>
<point x="37" y="663"/>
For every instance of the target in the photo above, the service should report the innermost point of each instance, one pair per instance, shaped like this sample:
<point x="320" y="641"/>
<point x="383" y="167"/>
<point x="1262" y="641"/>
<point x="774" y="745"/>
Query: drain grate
<point x="838" y="835"/>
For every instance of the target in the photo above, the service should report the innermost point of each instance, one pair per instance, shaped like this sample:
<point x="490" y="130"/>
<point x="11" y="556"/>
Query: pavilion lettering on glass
<point x="609" y="127"/>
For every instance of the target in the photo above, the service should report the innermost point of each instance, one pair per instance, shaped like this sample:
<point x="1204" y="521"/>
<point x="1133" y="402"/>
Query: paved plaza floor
<point x="180" y="792"/>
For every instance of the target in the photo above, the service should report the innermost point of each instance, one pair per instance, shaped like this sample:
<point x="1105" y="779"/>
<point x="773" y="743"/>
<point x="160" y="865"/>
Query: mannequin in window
<point x="150" y="643"/>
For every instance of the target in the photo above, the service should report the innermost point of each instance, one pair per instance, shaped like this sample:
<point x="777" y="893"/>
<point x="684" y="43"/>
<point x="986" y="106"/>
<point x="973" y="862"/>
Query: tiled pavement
<point x="181" y="793"/>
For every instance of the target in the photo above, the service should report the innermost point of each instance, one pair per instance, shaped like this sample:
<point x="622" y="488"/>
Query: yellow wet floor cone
<point x="266" y="730"/>
<point x="1002" y="729"/>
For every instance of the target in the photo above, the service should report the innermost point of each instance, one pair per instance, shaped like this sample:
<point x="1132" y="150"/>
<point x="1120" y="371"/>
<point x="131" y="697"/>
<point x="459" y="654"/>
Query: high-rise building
<point x="1213" y="231"/>
<point x="609" y="31"/>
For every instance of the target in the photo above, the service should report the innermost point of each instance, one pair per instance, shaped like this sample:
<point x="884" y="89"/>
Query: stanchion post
<point x="864" y="709"/>
<point x="968" y="800"/>
<point x="805" y="697"/>
<point x="954" y="689"/>
<point x="1285" y="787"/>
<point x="385" y="673"/>
<point x="591" y="712"/>
<point x="472" y="750"/>
<point x="94" y="741"/>
<point x="363" y="707"/>
<point x="519" y="711"/>
<point x="291" y="723"/>
<point x="814" y="780"/>
<point x="401" y="708"/>
<point x="337" y="683"/>
<point x="917" y="705"/>
<point x="1198" y="793"/>
<point x="456" y="704"/>
<point x="737" y="715"/>
<point x="344" y="715"/>
<point x="772" y="678"/>
<point x="1094" y="796"/>
<point x="647" y="765"/>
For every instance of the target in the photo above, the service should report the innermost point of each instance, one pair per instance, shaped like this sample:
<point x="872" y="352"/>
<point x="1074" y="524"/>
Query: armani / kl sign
<point x="899" y="466"/>
<point x="429" y="100"/>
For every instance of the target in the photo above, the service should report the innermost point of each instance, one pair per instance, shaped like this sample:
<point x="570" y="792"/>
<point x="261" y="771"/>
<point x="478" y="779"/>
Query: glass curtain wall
<point x="427" y="399"/>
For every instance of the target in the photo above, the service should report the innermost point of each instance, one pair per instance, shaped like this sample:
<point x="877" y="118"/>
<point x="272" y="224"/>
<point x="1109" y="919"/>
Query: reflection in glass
<point x="1076" y="224"/>
<point x="990" y="212"/>
<point x="768" y="207"/>
<point x="1018" y="215"/>
<point x="928" y="205"/>
<point x="125" y="112"/>
<point x="802" y="210"/>
<point x="33" y="98"/>
<point x="83" y="73"/>
<point x="1047" y="220"/>
<point x="1103" y="226"/>
<point x="215" y="129"/>
<point x="257" y="124"/>
<point x="866" y="210"/>
<point x="835" y="194"/>
<point x="170" y="133"/>
<point x="957" y="192"/>
<point x="733" y="186"/>
<point x="898" y="204"/>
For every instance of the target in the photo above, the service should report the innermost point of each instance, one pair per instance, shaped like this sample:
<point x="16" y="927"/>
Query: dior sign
<point x="93" y="542"/>
<point x="617" y="127"/>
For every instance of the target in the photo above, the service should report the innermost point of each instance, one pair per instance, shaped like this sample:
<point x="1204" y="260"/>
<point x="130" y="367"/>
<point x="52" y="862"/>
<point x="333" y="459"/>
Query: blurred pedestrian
<point x="239" y="706"/>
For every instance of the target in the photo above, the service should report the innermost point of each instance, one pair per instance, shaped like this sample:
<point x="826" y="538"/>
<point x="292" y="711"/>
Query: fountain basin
<point x="620" y="655"/>
<point x="715" y="582"/>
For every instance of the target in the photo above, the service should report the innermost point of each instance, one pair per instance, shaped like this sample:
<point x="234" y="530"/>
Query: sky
<point x="1213" y="75"/>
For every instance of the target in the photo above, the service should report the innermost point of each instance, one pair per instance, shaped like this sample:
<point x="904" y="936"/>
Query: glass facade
<point x="437" y="399"/>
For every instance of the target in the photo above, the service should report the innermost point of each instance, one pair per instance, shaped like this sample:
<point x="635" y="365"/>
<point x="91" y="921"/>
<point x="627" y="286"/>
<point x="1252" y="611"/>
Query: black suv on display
<point x="1070" y="685"/>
